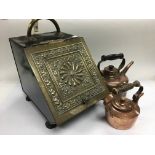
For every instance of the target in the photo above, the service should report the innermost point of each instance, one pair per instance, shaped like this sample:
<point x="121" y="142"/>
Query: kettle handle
<point x="129" y="86"/>
<point x="125" y="87"/>
<point x="138" y="94"/>
<point x="32" y="23"/>
<point x="112" y="57"/>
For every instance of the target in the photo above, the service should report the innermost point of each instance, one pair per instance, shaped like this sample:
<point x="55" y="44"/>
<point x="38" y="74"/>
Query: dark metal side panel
<point x="28" y="81"/>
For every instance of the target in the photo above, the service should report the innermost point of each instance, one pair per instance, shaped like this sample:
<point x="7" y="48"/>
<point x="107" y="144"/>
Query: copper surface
<point x="120" y="123"/>
<point x="121" y="112"/>
<point x="115" y="77"/>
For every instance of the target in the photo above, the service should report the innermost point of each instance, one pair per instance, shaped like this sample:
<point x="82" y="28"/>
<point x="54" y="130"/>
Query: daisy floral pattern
<point x="72" y="73"/>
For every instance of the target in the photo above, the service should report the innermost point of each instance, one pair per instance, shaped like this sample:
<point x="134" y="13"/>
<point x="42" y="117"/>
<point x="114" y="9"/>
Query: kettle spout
<point x="127" y="67"/>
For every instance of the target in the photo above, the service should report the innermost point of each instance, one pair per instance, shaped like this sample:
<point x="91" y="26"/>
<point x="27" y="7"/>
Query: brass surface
<point x="34" y="21"/>
<point x="67" y="76"/>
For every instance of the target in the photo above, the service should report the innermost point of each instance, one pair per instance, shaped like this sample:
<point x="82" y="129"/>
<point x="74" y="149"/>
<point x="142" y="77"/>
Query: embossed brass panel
<point x="67" y="76"/>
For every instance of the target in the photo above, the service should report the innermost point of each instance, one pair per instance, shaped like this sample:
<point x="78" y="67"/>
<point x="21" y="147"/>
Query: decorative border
<point x="38" y="58"/>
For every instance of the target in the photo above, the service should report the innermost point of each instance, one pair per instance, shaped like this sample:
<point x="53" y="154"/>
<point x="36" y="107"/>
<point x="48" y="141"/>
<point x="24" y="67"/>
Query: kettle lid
<point x="110" y="72"/>
<point x="123" y="105"/>
<point x="124" y="108"/>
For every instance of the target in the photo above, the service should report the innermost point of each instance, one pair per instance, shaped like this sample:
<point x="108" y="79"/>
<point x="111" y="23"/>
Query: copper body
<point x="115" y="77"/>
<point x="119" y="123"/>
<point x="122" y="119"/>
<point x="121" y="112"/>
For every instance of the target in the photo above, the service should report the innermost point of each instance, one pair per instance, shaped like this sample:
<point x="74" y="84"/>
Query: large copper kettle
<point x="114" y="77"/>
<point x="121" y="112"/>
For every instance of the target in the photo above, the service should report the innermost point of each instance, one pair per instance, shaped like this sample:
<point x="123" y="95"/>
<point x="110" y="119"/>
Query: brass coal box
<point x="57" y="73"/>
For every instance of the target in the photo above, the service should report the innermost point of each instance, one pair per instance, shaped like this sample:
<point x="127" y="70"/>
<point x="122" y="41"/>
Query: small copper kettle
<point x="121" y="112"/>
<point x="114" y="77"/>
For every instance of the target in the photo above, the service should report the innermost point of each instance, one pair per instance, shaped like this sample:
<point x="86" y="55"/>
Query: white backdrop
<point x="135" y="38"/>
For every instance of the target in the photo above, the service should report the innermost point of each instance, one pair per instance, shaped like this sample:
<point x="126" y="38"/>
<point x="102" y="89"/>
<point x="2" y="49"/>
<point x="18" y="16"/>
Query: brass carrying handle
<point x="125" y="87"/>
<point x="112" y="57"/>
<point x="32" y="23"/>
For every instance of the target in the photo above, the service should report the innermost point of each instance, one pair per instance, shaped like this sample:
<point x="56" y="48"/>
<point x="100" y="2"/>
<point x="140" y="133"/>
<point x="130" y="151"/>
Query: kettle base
<point x="121" y="123"/>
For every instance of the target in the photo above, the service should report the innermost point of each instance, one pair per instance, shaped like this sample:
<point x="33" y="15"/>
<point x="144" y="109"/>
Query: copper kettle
<point x="121" y="112"/>
<point x="114" y="77"/>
